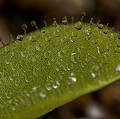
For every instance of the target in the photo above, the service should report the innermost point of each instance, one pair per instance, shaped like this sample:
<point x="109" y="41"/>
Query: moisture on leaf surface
<point x="47" y="69"/>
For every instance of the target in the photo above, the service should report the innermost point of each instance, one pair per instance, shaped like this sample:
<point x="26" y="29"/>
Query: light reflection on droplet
<point x="33" y="59"/>
<point x="73" y="79"/>
<point x="22" y="54"/>
<point x="48" y="88"/>
<point x="98" y="50"/>
<point x="34" y="89"/>
<point x="42" y="95"/>
<point x="38" y="47"/>
<point x="26" y="80"/>
<point x="10" y="78"/>
<point x="75" y="58"/>
<point x="55" y="86"/>
<point x="7" y="48"/>
<point x="93" y="75"/>
<point x="118" y="69"/>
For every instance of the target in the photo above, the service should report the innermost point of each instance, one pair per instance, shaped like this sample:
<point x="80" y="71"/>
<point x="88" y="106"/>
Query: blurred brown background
<point x="102" y="104"/>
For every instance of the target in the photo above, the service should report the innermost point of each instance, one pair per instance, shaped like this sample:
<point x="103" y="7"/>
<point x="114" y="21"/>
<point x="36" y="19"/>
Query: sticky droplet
<point x="64" y="21"/>
<point x="10" y="78"/>
<point x="100" y="26"/>
<point x="73" y="79"/>
<point x="22" y="54"/>
<point x="78" y="25"/>
<point x="19" y="37"/>
<point x="93" y="75"/>
<point x="54" y="24"/>
<point x="48" y="87"/>
<point x="117" y="49"/>
<point x="88" y="32"/>
<point x="105" y="31"/>
<point x="56" y="33"/>
<point x="60" y="54"/>
<point x="34" y="89"/>
<point x="42" y="95"/>
<point x="118" y="69"/>
<point x="38" y="47"/>
<point x="43" y="31"/>
<point x="7" y="49"/>
<point x="119" y="37"/>
<point x="75" y="58"/>
<point x="55" y="86"/>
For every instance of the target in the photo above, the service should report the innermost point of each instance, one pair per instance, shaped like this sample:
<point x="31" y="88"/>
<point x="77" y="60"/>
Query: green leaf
<point x="46" y="69"/>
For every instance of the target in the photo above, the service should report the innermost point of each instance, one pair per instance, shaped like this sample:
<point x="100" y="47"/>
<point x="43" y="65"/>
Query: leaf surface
<point x="51" y="67"/>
